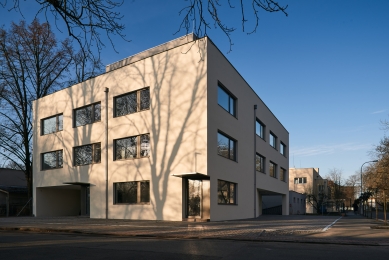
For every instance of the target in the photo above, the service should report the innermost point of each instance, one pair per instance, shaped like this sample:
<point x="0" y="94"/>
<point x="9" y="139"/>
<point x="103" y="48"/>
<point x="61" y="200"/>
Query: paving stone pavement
<point x="351" y="229"/>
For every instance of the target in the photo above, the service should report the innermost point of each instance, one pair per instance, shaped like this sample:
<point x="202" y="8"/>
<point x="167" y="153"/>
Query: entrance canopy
<point x="192" y="176"/>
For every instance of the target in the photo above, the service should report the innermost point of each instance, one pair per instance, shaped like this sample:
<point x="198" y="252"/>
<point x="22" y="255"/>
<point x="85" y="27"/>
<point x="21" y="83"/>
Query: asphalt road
<point x="21" y="245"/>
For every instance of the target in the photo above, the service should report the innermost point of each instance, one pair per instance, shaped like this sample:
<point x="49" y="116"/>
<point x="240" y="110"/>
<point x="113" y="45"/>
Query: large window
<point x="273" y="140"/>
<point x="132" y="147"/>
<point x="282" y="174"/>
<point x="273" y="170"/>
<point x="283" y="149"/>
<point x="133" y="192"/>
<point x="226" y="192"/>
<point x="260" y="163"/>
<point x="87" y="115"/>
<point x="226" y="146"/>
<point x="52" y="124"/>
<point x="132" y="102"/>
<point x="52" y="160"/>
<point x="87" y="154"/>
<point x="226" y="100"/>
<point x="260" y="129"/>
<point x="300" y="180"/>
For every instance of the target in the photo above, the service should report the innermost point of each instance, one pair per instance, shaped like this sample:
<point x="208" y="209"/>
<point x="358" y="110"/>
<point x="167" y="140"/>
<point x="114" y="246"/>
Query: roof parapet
<point x="152" y="51"/>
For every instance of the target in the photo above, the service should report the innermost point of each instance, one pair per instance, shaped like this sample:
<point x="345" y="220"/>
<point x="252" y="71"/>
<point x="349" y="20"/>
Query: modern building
<point x="172" y="133"/>
<point x="309" y="182"/>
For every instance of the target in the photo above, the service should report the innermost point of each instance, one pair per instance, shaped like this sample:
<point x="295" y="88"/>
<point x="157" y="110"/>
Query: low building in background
<point x="297" y="203"/>
<point x="171" y="133"/>
<point x="13" y="190"/>
<point x="309" y="182"/>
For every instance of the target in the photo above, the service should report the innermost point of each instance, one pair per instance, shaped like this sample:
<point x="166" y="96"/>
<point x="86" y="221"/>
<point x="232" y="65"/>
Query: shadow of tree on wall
<point x="178" y="96"/>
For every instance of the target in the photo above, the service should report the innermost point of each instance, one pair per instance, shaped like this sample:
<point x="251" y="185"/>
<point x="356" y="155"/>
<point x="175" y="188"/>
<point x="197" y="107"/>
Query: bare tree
<point x="335" y="183"/>
<point x="84" y="20"/>
<point x="200" y="15"/>
<point x="32" y="65"/>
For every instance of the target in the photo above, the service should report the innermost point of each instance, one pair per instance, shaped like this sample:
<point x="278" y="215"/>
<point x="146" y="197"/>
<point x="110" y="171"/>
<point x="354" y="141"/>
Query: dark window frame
<point x="273" y="138"/>
<point x="300" y="180"/>
<point x="139" y="193"/>
<point x="282" y="174"/>
<point x="138" y="147"/>
<point x="262" y="129"/>
<point x="94" y="150"/>
<point x="234" y="195"/>
<point x="138" y="101"/>
<point x="93" y="114"/>
<point x="58" y="166"/>
<point x="274" y="173"/>
<point x="262" y="168"/>
<point x="57" y="124"/>
<point x="230" y="97"/>
<point x="283" y="148"/>
<point x="230" y="139"/>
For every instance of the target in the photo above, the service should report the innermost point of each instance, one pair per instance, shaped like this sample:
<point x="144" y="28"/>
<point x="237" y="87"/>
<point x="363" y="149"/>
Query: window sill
<point x="130" y="159"/>
<point x="140" y="203"/>
<point x="228" y="204"/>
<point x="87" y="124"/>
<point x="87" y="164"/>
<point x="132" y="113"/>
<point x="228" y="158"/>
<point x="43" y="170"/>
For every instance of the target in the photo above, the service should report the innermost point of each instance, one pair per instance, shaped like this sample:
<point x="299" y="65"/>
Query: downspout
<point x="255" y="159"/>
<point x="106" y="152"/>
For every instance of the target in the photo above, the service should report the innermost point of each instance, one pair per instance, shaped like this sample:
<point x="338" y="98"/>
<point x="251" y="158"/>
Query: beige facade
<point x="308" y="181"/>
<point x="181" y="170"/>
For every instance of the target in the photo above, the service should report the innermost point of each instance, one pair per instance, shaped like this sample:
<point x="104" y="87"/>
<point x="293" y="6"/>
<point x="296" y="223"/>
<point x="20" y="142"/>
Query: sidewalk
<point x="349" y="230"/>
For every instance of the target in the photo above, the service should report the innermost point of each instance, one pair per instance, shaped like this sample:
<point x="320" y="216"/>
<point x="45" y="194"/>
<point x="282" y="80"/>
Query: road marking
<point x="330" y="225"/>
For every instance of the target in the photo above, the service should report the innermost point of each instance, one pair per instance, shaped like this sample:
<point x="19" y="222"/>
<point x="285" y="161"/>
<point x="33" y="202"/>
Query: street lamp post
<point x="362" y="182"/>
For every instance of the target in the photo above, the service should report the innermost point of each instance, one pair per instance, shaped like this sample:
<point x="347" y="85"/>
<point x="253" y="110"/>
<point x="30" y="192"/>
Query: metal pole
<point x="106" y="152"/>
<point x="255" y="161"/>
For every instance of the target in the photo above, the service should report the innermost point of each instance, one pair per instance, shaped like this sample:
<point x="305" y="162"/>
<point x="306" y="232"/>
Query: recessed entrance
<point x="194" y="198"/>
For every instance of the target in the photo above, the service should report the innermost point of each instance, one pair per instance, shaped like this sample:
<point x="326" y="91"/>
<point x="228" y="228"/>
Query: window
<point x="133" y="192"/>
<point x="132" y="147"/>
<point x="226" y="192"/>
<point x="282" y="174"/>
<point x="226" y="100"/>
<point x="260" y="163"/>
<point x="52" y="124"/>
<point x="260" y="129"/>
<point x="273" y="170"/>
<point x="52" y="160"/>
<point x="283" y="149"/>
<point x="87" y="154"/>
<point x="132" y="102"/>
<point x="273" y="140"/>
<point x="226" y="146"/>
<point x="87" y="115"/>
<point x="300" y="180"/>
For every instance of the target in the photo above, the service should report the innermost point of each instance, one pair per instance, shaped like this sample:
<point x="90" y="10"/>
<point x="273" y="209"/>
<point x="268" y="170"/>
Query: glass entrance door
<point x="194" y="198"/>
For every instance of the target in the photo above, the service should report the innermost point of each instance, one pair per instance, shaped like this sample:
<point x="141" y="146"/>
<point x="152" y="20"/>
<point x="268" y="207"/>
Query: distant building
<point x="297" y="203"/>
<point x="13" y="185"/>
<point x="172" y="133"/>
<point x="309" y="182"/>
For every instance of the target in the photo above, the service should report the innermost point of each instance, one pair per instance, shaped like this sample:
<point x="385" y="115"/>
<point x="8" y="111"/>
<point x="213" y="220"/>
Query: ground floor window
<point x="133" y="192"/>
<point x="226" y="192"/>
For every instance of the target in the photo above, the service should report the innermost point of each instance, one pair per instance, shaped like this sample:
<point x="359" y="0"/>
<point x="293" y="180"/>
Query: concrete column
<point x="285" y="204"/>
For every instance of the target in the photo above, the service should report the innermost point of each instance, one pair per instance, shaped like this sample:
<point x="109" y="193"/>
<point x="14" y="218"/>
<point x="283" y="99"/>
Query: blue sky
<point x="323" y="70"/>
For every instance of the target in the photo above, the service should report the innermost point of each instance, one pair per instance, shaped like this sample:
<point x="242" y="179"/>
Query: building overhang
<point x="79" y="183"/>
<point x="192" y="176"/>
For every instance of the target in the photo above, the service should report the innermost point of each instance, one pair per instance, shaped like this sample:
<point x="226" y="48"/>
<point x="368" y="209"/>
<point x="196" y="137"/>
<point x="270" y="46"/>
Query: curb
<point x="261" y="239"/>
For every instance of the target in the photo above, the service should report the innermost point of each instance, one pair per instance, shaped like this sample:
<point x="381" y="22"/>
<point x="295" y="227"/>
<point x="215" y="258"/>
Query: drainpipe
<point x="255" y="164"/>
<point x="106" y="152"/>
